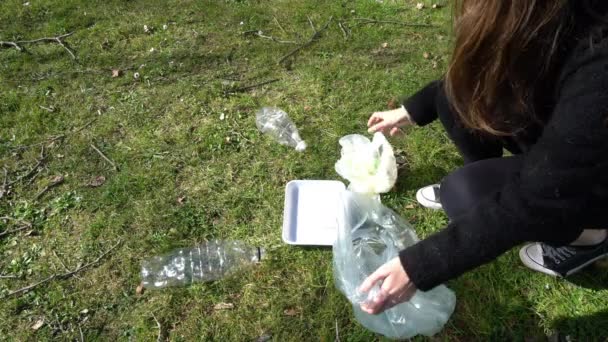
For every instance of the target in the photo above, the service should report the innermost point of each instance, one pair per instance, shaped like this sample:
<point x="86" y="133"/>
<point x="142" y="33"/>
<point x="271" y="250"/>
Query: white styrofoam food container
<point x="310" y="214"/>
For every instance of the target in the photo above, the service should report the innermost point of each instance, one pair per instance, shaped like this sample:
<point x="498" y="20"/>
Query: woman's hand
<point x="396" y="287"/>
<point x="389" y="121"/>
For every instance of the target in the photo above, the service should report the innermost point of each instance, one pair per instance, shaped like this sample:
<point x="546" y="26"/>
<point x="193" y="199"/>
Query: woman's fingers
<point x="375" y="277"/>
<point x="379" y="127"/>
<point x="395" y="131"/>
<point x="373" y="119"/>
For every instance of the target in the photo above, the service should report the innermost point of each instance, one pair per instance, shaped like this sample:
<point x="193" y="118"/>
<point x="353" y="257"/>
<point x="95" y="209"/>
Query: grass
<point x="163" y="130"/>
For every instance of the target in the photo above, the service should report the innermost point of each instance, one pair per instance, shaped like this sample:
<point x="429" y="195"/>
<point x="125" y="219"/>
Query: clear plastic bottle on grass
<point x="276" y="123"/>
<point x="209" y="261"/>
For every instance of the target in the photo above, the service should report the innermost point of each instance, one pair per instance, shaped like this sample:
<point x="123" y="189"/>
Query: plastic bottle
<point x="276" y="122"/>
<point x="209" y="261"/>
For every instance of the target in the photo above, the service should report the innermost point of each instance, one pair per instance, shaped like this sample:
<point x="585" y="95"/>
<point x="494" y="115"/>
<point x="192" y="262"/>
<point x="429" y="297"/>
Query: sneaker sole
<point x="426" y="203"/>
<point x="528" y="262"/>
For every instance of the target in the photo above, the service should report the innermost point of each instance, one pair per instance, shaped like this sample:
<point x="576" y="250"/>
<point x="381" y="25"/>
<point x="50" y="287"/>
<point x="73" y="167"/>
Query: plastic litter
<point x="276" y="123"/>
<point x="369" y="166"/>
<point x="370" y="234"/>
<point x="209" y="261"/>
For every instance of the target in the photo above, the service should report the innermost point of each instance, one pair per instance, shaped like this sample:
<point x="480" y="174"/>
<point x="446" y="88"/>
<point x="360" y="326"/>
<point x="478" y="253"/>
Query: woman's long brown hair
<point x="502" y="48"/>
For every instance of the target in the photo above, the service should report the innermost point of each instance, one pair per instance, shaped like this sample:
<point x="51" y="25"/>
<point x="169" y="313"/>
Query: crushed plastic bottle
<point x="276" y="123"/>
<point x="209" y="261"/>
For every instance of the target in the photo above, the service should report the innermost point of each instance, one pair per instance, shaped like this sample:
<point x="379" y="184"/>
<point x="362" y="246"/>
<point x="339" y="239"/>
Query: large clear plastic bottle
<point x="276" y="122"/>
<point x="209" y="261"/>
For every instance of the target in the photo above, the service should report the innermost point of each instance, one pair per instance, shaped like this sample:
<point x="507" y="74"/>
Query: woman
<point x="529" y="76"/>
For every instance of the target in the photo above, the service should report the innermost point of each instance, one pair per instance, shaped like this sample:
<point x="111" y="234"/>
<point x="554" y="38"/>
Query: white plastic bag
<point x="370" y="234"/>
<point x="369" y="166"/>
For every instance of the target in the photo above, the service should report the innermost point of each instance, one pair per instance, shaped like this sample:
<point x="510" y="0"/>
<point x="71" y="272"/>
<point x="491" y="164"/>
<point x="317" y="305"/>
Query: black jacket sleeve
<point x="563" y="178"/>
<point x="422" y="105"/>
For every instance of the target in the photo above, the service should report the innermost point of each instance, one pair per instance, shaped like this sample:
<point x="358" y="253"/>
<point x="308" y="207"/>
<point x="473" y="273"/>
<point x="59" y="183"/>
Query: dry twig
<point x="61" y="275"/>
<point x="105" y="158"/>
<point x="261" y="34"/>
<point x="313" y="38"/>
<point x="58" y="180"/>
<point x="364" y="21"/>
<point x="59" y="40"/>
<point x="159" y="338"/>
<point x="31" y="172"/>
<point x="344" y="30"/>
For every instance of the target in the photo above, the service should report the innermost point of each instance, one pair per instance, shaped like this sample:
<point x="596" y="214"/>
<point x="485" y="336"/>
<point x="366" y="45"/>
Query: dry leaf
<point x="292" y="312"/>
<point x="181" y="200"/>
<point x="97" y="181"/>
<point x="140" y="289"/>
<point x="307" y="108"/>
<point x="419" y="6"/>
<point x="116" y="72"/>
<point x="410" y="206"/>
<point x="223" y="306"/>
<point x="426" y="55"/>
<point x="385" y="45"/>
<point x="38" y="324"/>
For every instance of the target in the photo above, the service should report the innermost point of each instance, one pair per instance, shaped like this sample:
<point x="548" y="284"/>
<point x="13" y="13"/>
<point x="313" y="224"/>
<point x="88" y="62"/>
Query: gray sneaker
<point x="561" y="261"/>
<point x="429" y="197"/>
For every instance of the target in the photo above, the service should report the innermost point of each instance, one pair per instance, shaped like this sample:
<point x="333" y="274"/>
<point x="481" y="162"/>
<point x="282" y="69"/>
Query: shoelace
<point x="558" y="254"/>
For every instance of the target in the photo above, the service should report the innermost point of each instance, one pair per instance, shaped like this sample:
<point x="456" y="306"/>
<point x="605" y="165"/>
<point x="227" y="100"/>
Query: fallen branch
<point x="104" y="157"/>
<point x="2" y="276"/>
<point x="313" y="38"/>
<point x="261" y="34"/>
<point x="62" y="275"/>
<point x="364" y="21"/>
<point x="59" y="40"/>
<point x="243" y="89"/>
